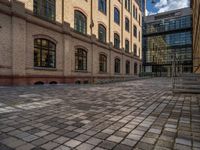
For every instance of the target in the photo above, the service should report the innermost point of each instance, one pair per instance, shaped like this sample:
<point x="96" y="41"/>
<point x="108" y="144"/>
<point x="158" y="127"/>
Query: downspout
<point x="131" y="32"/>
<point x="92" y="45"/>
<point x="110" y="39"/>
<point x="122" y="35"/>
<point x="64" y="67"/>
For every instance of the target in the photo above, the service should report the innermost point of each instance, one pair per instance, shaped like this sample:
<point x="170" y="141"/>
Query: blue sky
<point x="151" y="7"/>
<point x="165" y="5"/>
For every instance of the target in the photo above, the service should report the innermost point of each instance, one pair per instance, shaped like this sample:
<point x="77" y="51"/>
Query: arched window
<point x="127" y="5"/>
<point x="127" y="24"/>
<point x="102" y="6"/>
<point x="44" y="9"/>
<point x="134" y="11"/>
<point x="80" y="59"/>
<point x="139" y="52"/>
<point x="136" y="14"/>
<point x="139" y="20"/>
<point x="44" y="53"/>
<point x="139" y="35"/>
<point x="135" y="68"/>
<point x="116" y="40"/>
<point x="117" y="65"/>
<point x="102" y="33"/>
<point x="127" y="67"/>
<point x="80" y="22"/>
<point x="135" y="31"/>
<point x="102" y="63"/>
<point x="116" y="16"/>
<point x="127" y="46"/>
<point x="135" y="49"/>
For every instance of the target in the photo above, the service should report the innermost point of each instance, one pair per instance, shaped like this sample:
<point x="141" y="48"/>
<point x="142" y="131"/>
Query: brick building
<point x="69" y="41"/>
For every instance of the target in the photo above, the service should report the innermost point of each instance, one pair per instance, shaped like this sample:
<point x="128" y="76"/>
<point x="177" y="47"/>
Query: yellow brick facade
<point x="19" y="27"/>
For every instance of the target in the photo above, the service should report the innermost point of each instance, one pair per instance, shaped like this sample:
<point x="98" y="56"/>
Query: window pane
<point x="51" y="59"/>
<point x="80" y="22"/>
<point x="45" y="9"/>
<point x="44" y="53"/>
<point x="37" y="57"/>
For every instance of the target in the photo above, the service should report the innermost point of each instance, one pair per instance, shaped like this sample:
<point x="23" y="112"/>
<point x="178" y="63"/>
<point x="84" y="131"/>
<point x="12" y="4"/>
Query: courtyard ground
<point x="142" y="114"/>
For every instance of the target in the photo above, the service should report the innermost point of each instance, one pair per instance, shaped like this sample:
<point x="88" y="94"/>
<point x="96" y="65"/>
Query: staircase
<point x="187" y="83"/>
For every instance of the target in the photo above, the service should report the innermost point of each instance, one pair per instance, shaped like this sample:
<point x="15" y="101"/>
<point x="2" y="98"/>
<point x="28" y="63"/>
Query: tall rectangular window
<point x="44" y="9"/>
<point x="116" y="41"/>
<point x="135" y="31"/>
<point x="116" y="16"/>
<point x="127" y="24"/>
<point x="102" y="6"/>
<point x="126" y="46"/>
<point x="128" y="5"/>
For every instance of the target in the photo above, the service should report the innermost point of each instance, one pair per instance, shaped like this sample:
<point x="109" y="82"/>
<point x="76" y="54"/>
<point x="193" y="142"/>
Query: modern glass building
<point x="167" y="38"/>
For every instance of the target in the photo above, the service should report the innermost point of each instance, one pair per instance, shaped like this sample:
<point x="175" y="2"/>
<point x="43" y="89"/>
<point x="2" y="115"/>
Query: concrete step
<point x="188" y="86"/>
<point x="186" y="82"/>
<point x="187" y="91"/>
<point x="191" y="75"/>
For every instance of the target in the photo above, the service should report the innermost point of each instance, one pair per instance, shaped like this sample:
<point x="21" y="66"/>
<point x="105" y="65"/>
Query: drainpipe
<point x="92" y="40"/>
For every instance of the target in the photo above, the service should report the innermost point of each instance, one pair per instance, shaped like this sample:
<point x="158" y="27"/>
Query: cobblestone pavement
<point x="141" y="114"/>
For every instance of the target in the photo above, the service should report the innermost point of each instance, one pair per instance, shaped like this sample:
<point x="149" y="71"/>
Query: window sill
<point x="44" y="68"/>
<point x="53" y="21"/>
<point x="127" y="52"/>
<point x="117" y="48"/>
<point x="104" y="13"/>
<point x="117" y="23"/>
<point x="81" y="71"/>
<point x="118" y="74"/>
<point x="100" y="72"/>
<point x="102" y="42"/>
<point x="81" y="33"/>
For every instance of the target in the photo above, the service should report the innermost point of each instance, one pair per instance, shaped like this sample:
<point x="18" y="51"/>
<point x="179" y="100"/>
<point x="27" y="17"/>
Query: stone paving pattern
<point x="141" y="114"/>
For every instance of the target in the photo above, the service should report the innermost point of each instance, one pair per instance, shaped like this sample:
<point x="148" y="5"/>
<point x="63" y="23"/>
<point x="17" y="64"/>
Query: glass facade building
<point x="167" y="38"/>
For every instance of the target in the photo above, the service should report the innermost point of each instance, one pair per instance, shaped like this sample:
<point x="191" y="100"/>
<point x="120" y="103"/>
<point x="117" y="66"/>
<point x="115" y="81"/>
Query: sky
<point x="165" y="5"/>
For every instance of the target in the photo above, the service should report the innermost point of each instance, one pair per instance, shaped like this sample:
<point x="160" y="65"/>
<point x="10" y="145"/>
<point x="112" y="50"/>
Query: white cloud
<point x="167" y="5"/>
<point x="149" y="13"/>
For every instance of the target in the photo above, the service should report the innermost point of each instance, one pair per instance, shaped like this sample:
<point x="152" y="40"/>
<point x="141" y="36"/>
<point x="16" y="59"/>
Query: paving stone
<point x="99" y="148"/>
<point x="26" y="146"/>
<point x="39" y="142"/>
<point x="115" y="139"/>
<point x="144" y="146"/>
<point x="12" y="142"/>
<point x="42" y="133"/>
<point x="4" y="147"/>
<point x="71" y="134"/>
<point x="141" y="114"/>
<point x="107" y="144"/>
<point x="183" y="142"/>
<point x="161" y="148"/>
<point x="72" y="143"/>
<point x="61" y="140"/>
<point x="122" y="147"/>
<point x="102" y="135"/>
<point x="82" y="137"/>
<point x="30" y="138"/>
<point x="163" y="143"/>
<point x="182" y="147"/>
<point x="50" y="145"/>
<point x="62" y="148"/>
<point x="50" y="136"/>
<point x="85" y="146"/>
<point x="129" y="142"/>
<point x="94" y="141"/>
<point x="148" y="140"/>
